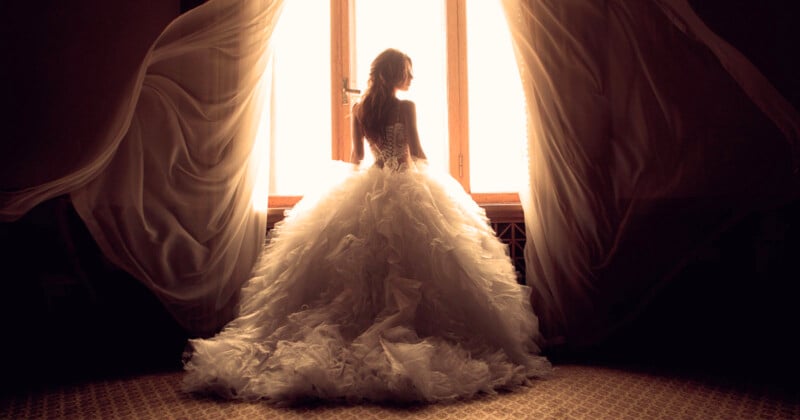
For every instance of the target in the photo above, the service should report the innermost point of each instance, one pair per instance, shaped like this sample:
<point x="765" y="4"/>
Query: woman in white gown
<point x="389" y="286"/>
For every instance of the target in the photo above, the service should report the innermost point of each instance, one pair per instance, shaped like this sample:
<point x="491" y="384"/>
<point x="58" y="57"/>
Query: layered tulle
<point x="387" y="286"/>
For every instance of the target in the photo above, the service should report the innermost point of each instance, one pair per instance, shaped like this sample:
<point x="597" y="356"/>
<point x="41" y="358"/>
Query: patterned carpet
<point x="574" y="392"/>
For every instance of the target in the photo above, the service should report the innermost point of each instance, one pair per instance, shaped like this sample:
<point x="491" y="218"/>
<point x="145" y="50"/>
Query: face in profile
<point x="406" y="82"/>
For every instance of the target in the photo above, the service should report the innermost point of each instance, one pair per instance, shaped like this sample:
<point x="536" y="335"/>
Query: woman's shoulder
<point x="407" y="104"/>
<point x="408" y="111"/>
<point x="406" y="107"/>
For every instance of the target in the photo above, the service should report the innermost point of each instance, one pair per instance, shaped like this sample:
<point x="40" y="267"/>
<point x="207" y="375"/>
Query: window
<point x="497" y="119"/>
<point x="470" y="104"/>
<point x="300" y="92"/>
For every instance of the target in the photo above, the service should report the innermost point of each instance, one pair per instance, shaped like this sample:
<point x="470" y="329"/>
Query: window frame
<point x="343" y="61"/>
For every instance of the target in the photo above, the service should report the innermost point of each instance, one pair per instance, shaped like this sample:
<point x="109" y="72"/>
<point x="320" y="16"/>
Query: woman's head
<point x="390" y="71"/>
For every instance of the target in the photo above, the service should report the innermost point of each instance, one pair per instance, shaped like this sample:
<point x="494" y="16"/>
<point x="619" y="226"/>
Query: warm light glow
<point x="260" y="156"/>
<point x="497" y="121"/>
<point x="296" y="129"/>
<point x="301" y="102"/>
<point x="416" y="27"/>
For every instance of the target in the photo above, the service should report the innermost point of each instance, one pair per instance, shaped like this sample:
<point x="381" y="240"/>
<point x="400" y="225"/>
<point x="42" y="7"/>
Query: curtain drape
<point x="174" y="207"/>
<point x="168" y="198"/>
<point x="647" y="135"/>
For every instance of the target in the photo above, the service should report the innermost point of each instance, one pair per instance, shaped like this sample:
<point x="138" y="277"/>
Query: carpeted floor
<point x="67" y="324"/>
<point x="574" y="392"/>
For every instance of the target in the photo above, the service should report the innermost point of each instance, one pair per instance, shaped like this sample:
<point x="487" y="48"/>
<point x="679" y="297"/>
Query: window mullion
<point x="341" y="61"/>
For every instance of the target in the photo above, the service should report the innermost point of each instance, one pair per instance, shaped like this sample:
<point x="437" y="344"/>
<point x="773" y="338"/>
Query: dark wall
<point x="765" y="31"/>
<point x="64" y="66"/>
<point x="186" y="5"/>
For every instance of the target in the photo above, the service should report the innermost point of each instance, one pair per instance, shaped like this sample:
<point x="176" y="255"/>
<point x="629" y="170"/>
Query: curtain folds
<point x="647" y="135"/>
<point x="168" y="198"/>
<point x="174" y="206"/>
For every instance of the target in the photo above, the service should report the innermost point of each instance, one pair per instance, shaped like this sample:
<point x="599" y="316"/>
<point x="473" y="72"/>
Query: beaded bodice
<point x="391" y="151"/>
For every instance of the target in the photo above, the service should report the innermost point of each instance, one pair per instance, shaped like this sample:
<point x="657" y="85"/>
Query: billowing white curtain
<point x="647" y="135"/>
<point x="168" y="195"/>
<point x="173" y="207"/>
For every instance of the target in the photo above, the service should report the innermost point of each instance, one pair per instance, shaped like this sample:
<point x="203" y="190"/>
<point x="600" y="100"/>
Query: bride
<point x="390" y="286"/>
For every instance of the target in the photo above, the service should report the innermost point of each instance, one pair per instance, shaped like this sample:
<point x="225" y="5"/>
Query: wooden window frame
<point x="342" y="62"/>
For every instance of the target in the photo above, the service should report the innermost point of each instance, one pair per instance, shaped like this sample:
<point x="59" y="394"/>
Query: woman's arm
<point x="357" y="152"/>
<point x="413" y="136"/>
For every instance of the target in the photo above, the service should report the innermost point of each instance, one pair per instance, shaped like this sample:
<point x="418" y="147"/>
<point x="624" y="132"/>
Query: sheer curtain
<point x="173" y="207"/>
<point x="168" y="197"/>
<point x="647" y="135"/>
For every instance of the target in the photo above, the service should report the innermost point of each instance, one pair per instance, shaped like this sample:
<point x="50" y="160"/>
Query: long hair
<point x="387" y="71"/>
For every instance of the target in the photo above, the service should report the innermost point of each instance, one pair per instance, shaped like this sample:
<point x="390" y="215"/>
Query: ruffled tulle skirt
<point x="387" y="286"/>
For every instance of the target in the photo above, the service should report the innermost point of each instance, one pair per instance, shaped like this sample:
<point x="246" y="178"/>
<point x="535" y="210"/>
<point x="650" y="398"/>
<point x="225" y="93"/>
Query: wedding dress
<point x="389" y="286"/>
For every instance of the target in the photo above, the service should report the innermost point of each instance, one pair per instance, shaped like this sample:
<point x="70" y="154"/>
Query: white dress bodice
<point x="391" y="150"/>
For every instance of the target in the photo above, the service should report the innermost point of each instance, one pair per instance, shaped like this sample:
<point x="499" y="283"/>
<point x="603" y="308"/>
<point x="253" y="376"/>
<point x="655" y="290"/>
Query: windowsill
<point x="483" y="199"/>
<point x="503" y="212"/>
<point x="496" y="212"/>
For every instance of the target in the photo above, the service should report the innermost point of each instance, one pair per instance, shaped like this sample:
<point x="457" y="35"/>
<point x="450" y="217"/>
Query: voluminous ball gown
<point x="388" y="286"/>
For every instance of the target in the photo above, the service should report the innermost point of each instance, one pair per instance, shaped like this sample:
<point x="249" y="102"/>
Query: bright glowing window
<point x="497" y="128"/>
<point x="301" y="131"/>
<point x="301" y="96"/>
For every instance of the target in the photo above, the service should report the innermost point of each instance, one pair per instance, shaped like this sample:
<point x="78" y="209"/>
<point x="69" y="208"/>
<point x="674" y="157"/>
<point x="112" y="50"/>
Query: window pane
<point x="301" y="105"/>
<point x="497" y="121"/>
<point x="416" y="27"/>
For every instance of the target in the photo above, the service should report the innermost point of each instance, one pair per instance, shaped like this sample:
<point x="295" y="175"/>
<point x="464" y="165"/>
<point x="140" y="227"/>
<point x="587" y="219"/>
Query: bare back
<point x="398" y="143"/>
